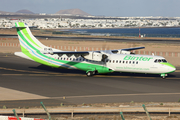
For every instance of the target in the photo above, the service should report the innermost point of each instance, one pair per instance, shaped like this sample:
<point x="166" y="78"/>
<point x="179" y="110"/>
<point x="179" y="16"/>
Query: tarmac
<point x="24" y="83"/>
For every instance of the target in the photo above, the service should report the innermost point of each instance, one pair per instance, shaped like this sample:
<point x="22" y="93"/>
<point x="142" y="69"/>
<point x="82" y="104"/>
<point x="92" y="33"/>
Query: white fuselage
<point x="137" y="63"/>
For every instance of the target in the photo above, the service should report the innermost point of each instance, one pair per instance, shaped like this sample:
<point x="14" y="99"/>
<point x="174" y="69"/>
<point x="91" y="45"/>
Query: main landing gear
<point x="90" y="73"/>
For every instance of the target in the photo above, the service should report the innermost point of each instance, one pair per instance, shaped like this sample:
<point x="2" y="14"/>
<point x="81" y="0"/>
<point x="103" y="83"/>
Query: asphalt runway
<point x="24" y="83"/>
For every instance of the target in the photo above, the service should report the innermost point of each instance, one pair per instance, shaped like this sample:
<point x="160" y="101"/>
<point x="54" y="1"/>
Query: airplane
<point x="93" y="62"/>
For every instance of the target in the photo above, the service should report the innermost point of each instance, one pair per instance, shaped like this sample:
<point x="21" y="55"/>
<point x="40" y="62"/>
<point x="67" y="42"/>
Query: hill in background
<point x="72" y="12"/>
<point x="24" y="11"/>
<point x="4" y="12"/>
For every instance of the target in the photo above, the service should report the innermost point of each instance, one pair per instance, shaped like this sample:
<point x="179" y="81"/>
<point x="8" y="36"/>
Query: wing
<point x="102" y="51"/>
<point x="95" y="55"/>
<point x="71" y="52"/>
<point x="127" y="49"/>
<point x="91" y="55"/>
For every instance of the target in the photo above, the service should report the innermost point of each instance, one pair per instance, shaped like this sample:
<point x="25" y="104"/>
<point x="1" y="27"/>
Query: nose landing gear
<point x="163" y="75"/>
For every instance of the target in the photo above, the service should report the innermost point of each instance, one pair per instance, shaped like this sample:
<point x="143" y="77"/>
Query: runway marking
<point x="23" y="95"/>
<point x="11" y="94"/>
<point x="114" y="95"/>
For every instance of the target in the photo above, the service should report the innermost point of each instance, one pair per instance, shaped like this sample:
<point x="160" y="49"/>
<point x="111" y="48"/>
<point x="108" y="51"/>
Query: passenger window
<point x="133" y="62"/>
<point x="113" y="61"/>
<point x="116" y="61"/>
<point x="120" y="61"/>
<point x="73" y="59"/>
<point x="136" y="62"/>
<point x="106" y="60"/>
<point x="129" y="62"/>
<point x="123" y="61"/>
<point x="126" y="62"/>
<point x="70" y="59"/>
<point x="109" y="61"/>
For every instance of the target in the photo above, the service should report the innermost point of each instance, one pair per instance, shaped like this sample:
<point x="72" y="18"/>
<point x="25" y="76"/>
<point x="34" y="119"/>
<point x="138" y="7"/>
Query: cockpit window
<point x="160" y="60"/>
<point x="163" y="60"/>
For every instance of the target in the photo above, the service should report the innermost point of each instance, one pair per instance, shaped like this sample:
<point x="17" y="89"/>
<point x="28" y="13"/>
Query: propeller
<point x="104" y="53"/>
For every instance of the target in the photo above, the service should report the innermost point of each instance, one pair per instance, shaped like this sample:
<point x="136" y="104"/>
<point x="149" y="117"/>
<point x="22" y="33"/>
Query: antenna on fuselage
<point x="152" y="54"/>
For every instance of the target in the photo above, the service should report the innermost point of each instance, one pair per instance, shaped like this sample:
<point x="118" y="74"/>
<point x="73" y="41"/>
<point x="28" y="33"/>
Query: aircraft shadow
<point x="138" y="75"/>
<point x="45" y="68"/>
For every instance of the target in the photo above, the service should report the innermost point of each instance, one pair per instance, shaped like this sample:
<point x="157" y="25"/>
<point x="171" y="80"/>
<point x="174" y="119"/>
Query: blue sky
<point x="122" y="8"/>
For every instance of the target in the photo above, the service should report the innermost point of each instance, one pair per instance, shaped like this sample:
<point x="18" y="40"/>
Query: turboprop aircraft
<point x="93" y="62"/>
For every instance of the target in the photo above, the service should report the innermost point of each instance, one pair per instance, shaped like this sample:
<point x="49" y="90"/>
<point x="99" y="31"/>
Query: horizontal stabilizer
<point x="18" y="27"/>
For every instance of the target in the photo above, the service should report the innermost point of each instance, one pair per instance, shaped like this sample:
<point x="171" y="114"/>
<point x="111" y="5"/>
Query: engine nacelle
<point x="96" y="56"/>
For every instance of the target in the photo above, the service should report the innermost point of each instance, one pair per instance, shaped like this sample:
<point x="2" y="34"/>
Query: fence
<point x="77" y="110"/>
<point x="79" y="48"/>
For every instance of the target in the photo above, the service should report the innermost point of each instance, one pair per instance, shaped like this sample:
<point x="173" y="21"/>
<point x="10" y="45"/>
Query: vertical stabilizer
<point x="27" y="41"/>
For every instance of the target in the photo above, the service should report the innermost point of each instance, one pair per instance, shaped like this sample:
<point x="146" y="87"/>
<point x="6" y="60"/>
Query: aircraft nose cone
<point x="171" y="69"/>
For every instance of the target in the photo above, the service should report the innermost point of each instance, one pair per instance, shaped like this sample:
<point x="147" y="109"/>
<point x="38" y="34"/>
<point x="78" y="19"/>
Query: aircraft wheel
<point x="89" y="73"/>
<point x="163" y="77"/>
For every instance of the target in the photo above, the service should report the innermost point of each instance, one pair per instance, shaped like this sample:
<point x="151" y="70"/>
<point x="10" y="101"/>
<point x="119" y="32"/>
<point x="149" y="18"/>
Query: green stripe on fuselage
<point x="78" y="65"/>
<point x="168" y="64"/>
<point x="27" y="53"/>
